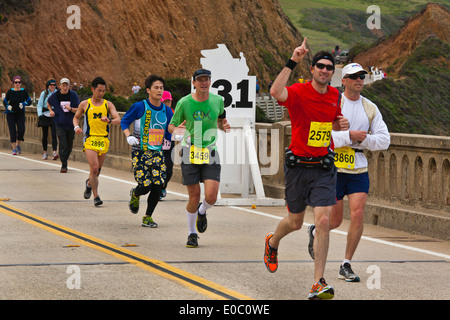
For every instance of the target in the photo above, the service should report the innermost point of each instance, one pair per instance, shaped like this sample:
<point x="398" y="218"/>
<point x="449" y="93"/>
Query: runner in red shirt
<point x="310" y="174"/>
<point x="306" y="105"/>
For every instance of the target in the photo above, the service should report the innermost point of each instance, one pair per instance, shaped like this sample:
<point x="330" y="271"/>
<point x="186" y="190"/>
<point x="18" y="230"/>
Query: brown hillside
<point x="433" y="20"/>
<point x="125" y="41"/>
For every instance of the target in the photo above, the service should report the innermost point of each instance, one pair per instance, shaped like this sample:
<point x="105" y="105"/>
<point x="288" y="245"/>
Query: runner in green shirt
<point x="197" y="116"/>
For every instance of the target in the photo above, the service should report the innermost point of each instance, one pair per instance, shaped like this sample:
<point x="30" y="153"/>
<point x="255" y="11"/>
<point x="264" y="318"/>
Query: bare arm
<point x="78" y="114"/>
<point x="223" y="125"/>
<point x="177" y="130"/>
<point x="278" y="89"/>
<point x="114" y="113"/>
<point x="171" y="128"/>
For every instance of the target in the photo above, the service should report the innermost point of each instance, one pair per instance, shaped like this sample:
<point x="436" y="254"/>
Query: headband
<point x="323" y="56"/>
<point x="50" y="82"/>
<point x="16" y="78"/>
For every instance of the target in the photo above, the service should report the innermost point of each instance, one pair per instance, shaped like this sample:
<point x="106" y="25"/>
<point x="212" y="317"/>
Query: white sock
<point x="191" y="219"/>
<point x="346" y="261"/>
<point x="204" y="206"/>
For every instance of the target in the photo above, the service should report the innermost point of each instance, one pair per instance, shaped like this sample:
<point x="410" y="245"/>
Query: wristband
<point x="291" y="64"/>
<point x="75" y="129"/>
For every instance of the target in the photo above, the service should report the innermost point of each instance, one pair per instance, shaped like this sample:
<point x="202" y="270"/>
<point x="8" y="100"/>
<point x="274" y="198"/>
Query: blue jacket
<point x="63" y="119"/>
<point x="137" y="110"/>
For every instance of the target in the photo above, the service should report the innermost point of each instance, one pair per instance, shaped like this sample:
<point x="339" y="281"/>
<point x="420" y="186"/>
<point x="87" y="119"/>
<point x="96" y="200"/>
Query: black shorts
<point x="309" y="187"/>
<point x="196" y="173"/>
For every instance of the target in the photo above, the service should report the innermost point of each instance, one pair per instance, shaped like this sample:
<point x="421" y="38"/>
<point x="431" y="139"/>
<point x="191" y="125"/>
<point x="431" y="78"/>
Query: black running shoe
<point x="97" y="201"/>
<point x="192" y="241"/>
<point x="202" y="222"/>
<point x="87" y="191"/>
<point x="346" y="273"/>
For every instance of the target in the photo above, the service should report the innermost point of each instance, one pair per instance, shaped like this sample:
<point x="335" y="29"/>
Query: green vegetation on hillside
<point x="420" y="100"/>
<point x="328" y="23"/>
<point x="8" y="7"/>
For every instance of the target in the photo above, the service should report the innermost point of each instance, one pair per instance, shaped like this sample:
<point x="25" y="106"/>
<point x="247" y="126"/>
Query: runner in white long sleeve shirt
<point x="374" y="137"/>
<point x="367" y="131"/>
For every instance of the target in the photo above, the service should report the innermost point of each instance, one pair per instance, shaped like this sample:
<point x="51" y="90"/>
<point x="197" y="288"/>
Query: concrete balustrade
<point x="415" y="170"/>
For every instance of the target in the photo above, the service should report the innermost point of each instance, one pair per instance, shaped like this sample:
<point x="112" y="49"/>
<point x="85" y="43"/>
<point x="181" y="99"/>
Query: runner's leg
<point x="321" y="240"/>
<point x="292" y="222"/>
<point x="357" y="202"/>
<point x="94" y="161"/>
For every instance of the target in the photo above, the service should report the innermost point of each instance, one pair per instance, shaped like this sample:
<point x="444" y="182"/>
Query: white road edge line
<point x="253" y="211"/>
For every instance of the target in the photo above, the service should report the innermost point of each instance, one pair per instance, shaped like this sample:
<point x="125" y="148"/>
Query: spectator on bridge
<point x="63" y="105"/>
<point x="45" y="121"/>
<point x="135" y="88"/>
<point x="310" y="175"/>
<point x="16" y="99"/>
<point x="367" y="131"/>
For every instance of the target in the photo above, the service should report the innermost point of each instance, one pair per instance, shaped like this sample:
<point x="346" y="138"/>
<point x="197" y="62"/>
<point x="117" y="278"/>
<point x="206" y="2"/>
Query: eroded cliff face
<point x="433" y="20"/>
<point x="125" y="41"/>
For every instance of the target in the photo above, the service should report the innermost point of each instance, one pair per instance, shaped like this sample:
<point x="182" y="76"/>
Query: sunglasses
<point x="17" y="82"/>
<point x="320" y="66"/>
<point x="356" y="76"/>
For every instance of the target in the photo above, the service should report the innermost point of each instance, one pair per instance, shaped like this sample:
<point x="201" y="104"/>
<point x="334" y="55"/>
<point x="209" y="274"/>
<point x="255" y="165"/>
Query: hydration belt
<point x="325" y="162"/>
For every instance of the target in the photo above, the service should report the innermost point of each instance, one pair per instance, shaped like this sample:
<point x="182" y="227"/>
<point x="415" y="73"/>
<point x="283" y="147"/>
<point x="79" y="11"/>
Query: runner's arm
<point x="115" y="115"/>
<point x="278" y="89"/>
<point x="77" y="116"/>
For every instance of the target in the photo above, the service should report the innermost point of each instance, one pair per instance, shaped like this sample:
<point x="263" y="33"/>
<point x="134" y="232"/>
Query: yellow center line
<point x="157" y="267"/>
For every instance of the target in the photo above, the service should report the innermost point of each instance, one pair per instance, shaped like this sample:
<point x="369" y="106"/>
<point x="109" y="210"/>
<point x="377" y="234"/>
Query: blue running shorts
<point x="351" y="183"/>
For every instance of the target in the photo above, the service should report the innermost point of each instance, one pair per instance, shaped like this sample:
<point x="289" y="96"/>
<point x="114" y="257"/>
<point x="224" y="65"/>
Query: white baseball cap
<point x="64" y="80"/>
<point x="352" y="68"/>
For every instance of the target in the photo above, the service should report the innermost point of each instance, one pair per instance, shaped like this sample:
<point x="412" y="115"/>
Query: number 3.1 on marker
<point x="242" y="86"/>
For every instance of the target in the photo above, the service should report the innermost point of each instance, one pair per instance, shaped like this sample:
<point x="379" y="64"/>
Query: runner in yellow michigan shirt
<point x="96" y="130"/>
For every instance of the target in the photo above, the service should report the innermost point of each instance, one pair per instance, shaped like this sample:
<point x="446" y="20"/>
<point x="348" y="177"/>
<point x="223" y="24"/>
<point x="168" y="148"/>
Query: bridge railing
<point x="414" y="171"/>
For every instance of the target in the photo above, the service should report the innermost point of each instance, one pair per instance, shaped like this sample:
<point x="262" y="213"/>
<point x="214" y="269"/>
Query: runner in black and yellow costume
<point x="97" y="112"/>
<point x="150" y="119"/>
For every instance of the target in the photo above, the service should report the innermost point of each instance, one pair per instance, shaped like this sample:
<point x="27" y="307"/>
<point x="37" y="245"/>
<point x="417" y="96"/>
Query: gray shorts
<point x="196" y="173"/>
<point x="309" y="187"/>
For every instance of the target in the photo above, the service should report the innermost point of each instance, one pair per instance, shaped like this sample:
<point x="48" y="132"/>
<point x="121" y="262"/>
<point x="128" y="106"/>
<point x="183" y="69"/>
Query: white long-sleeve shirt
<point x="378" y="137"/>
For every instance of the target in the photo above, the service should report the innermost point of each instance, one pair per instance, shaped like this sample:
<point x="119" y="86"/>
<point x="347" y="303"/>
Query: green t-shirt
<point x="201" y="119"/>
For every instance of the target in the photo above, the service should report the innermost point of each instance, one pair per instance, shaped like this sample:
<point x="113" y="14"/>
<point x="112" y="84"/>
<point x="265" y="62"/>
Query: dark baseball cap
<point x="201" y="73"/>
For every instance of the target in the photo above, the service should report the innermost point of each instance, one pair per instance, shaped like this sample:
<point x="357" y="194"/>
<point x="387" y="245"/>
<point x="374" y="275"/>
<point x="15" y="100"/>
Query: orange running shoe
<point x="321" y="290"/>
<point x="270" y="255"/>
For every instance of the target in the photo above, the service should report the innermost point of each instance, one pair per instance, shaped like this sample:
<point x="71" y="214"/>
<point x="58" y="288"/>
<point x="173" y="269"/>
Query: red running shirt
<point x="312" y="115"/>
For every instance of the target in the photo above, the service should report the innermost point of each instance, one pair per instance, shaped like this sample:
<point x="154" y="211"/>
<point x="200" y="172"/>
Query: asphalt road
<point x="57" y="246"/>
